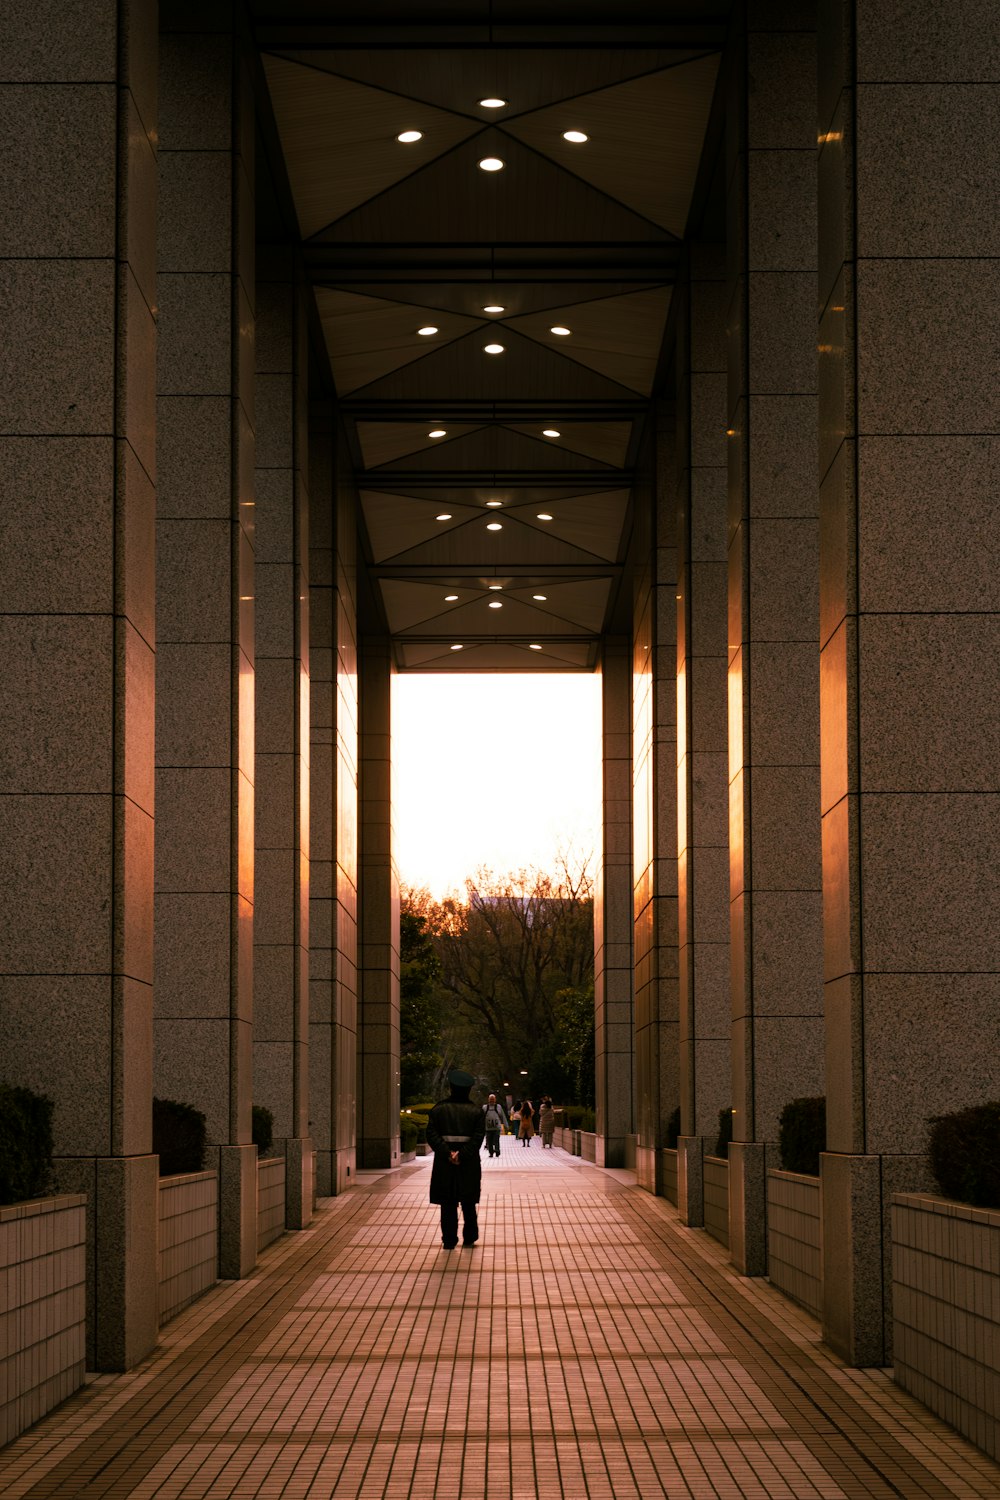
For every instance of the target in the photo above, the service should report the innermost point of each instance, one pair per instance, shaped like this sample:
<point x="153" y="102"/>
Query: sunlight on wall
<point x="497" y="770"/>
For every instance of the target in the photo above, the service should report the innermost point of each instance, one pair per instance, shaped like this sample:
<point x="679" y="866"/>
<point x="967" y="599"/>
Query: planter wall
<point x="270" y="1201"/>
<point x="717" y="1198"/>
<point x="43" y="1262"/>
<point x="668" y="1168"/>
<point x="588" y="1145"/>
<point x="946" y="1311"/>
<point x="188" y="1257"/>
<point x="793" y="1238"/>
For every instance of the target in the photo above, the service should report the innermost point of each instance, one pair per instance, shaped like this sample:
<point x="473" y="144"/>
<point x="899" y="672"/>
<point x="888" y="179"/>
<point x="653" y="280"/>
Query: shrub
<point x="578" y="1117"/>
<point x="407" y="1133"/>
<point x="420" y="1121"/>
<point x="802" y="1135"/>
<point x="178" y="1137"/>
<point x="262" y="1129"/>
<point x="965" y="1154"/>
<point x="725" y="1133"/>
<point x="25" y="1144"/>
<point x="673" y="1129"/>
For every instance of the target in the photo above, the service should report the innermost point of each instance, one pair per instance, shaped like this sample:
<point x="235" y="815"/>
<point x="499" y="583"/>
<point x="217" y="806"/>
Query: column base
<point x="748" y="1207"/>
<point x="300" y="1182"/>
<point x="237" y="1211"/>
<point x="343" y="1169"/>
<point x="610" y="1151"/>
<point x="851" y="1239"/>
<point x="375" y="1153"/>
<point x="691" y="1180"/>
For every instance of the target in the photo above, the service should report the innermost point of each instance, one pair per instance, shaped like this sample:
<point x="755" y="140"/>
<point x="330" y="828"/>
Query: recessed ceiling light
<point x="543" y="515"/>
<point x="456" y="648"/>
<point x="493" y="348"/>
<point x="494" y="526"/>
<point x="409" y="136"/>
<point x="493" y="103"/>
<point x="444" y="516"/>
<point x="495" y="604"/>
<point x="575" y="137"/>
<point x="438" y="432"/>
<point x="494" y="307"/>
<point x="429" y="329"/>
<point x="450" y="598"/>
<point x="558" y="329"/>
<point x="495" y="587"/>
<point x="546" y="432"/>
<point x="543" y="597"/>
<point x="534" y="647"/>
<point x="491" y="164"/>
<point x="494" y="503"/>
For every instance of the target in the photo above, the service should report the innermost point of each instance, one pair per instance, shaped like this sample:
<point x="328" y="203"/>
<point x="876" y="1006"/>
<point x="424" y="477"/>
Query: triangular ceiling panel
<point x="605" y="441"/>
<point x="531" y="200"/>
<point x="456" y="80"/>
<point x="468" y="548"/>
<point x="592" y="522"/>
<point x="645" y="143"/>
<point x="525" y="371"/>
<point x="477" y="495"/>
<point x="513" y="616"/>
<point x="618" y="336"/>
<point x="408" y="604"/>
<point x="493" y="449"/>
<point x="367" y="337"/>
<point x="580" y="603"/>
<point x="385" y="442"/>
<point x="468" y="299"/>
<point x="396" y="523"/>
<point x="339" y="139"/>
<point x="488" y="656"/>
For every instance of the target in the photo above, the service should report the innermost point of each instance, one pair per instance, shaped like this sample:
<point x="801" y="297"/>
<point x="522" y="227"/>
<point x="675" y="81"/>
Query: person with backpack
<point x="496" y="1122"/>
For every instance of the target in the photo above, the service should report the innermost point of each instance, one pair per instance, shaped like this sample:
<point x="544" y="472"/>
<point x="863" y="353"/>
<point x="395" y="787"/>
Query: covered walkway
<point x="589" y="1348"/>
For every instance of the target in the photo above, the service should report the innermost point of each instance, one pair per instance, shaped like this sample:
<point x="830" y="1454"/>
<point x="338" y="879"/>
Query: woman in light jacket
<point x="547" y="1122"/>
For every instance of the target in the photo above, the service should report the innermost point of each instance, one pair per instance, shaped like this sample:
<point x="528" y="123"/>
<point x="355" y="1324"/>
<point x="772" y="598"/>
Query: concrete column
<point x="613" y="1021"/>
<point x="205" y="603"/>
<point x="378" y="978"/>
<point x="909" y="617"/>
<point x="281" y="843"/>
<point x="703" y="833"/>
<point x="774" y="833"/>
<point x="77" y="515"/>
<point x="654" y="741"/>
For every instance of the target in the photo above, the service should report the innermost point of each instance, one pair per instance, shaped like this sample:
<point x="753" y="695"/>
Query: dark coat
<point x="451" y="1182"/>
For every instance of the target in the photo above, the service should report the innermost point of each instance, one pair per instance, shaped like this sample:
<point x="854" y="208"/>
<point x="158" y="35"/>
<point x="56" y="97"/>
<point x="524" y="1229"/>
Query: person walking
<point x="455" y="1130"/>
<point x="527" y="1126"/>
<point x="547" y="1122"/>
<point x="495" y="1121"/>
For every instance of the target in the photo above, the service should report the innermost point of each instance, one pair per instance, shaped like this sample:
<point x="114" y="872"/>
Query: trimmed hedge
<point x="802" y="1134"/>
<point x="262" y="1128"/>
<point x="25" y="1144"/>
<point x="578" y="1117"/>
<point x="725" y="1133"/>
<point x="964" y="1154"/>
<point x="407" y="1133"/>
<point x="179" y="1137"/>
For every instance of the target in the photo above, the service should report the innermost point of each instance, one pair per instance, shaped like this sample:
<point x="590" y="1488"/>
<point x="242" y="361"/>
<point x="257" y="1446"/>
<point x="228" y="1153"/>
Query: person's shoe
<point x="448" y="1244"/>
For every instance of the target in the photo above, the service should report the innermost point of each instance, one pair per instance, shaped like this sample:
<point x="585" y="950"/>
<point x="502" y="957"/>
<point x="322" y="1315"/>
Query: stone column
<point x="774" y="833"/>
<point x="378" y="978"/>
<point x="910" y="594"/>
<point x="613" y="912"/>
<point x="77" y="515"/>
<point x="654" y="741"/>
<point x="703" y="834"/>
<point x="281" y="847"/>
<point x="205" y="602"/>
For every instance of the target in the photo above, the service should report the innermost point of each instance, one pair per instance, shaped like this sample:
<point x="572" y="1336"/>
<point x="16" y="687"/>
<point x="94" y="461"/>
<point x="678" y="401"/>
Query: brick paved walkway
<point x="589" y="1349"/>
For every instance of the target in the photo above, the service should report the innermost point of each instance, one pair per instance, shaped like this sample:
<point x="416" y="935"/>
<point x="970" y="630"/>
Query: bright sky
<point x="493" y="770"/>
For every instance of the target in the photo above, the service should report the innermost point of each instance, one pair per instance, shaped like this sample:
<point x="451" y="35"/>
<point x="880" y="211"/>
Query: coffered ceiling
<point x="494" y="336"/>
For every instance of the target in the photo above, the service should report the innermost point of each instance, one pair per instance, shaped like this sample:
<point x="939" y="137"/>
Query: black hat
<point x="459" y="1079"/>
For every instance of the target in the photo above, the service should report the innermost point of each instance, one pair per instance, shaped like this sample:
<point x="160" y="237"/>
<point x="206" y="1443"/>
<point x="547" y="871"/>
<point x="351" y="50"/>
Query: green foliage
<point x="179" y="1137"/>
<point x="263" y="1129"/>
<point x="419" y="1006"/>
<point x="802" y="1134"/>
<point x="578" y="1117"/>
<point x="407" y="1133"/>
<point x="725" y="1132"/>
<point x="25" y="1144"/>
<point x="965" y="1154"/>
<point x="673" y="1129"/>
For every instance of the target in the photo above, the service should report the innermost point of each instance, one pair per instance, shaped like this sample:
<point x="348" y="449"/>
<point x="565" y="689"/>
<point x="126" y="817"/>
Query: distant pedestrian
<point x="527" y="1126"/>
<point x="455" y="1130"/>
<point x="547" y="1122"/>
<point x="495" y="1121"/>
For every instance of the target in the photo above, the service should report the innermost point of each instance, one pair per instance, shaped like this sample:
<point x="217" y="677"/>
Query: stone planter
<point x="188" y="1255"/>
<point x="588" y="1145"/>
<point x="794" y="1259"/>
<point x="423" y="1149"/>
<point x="946" y="1311"/>
<point x="668" y="1170"/>
<point x="716" y="1180"/>
<point x="408" y="1155"/>
<point x="43" y="1256"/>
<point x="270" y="1200"/>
